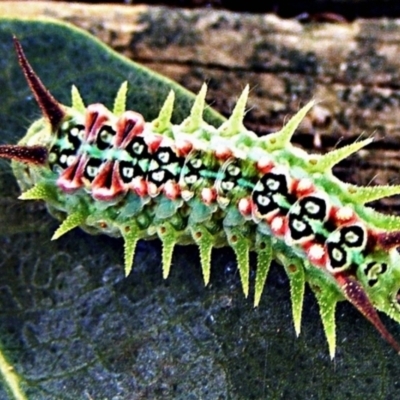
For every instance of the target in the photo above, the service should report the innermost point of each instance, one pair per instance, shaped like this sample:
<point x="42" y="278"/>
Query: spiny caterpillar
<point x="112" y="172"/>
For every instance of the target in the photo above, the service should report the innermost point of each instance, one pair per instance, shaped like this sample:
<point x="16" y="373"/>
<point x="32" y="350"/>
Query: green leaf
<point x="74" y="327"/>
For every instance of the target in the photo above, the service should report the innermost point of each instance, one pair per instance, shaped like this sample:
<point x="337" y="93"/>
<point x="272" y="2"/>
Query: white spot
<point x="337" y="255"/>
<point x="344" y="214"/>
<point x="312" y="208"/>
<point x="190" y="179"/>
<point x="304" y="184"/>
<point x="63" y="159"/>
<point x="106" y="136"/>
<point x="264" y="164"/>
<point x="233" y="170"/>
<point x="196" y="163"/>
<point x="263" y="200"/>
<point x="187" y="195"/>
<point x="74" y="131"/>
<point x="277" y="224"/>
<point x="259" y="187"/>
<point x="351" y="237"/>
<point x="127" y="172"/>
<point x="164" y="157"/>
<point x="227" y="186"/>
<point x="158" y="176"/>
<point x="92" y="171"/>
<point x="223" y="152"/>
<point x="273" y="184"/>
<point x="152" y="189"/>
<point x="299" y="226"/>
<point x="52" y="158"/>
<point x="316" y="252"/>
<point x="244" y="206"/>
<point x="70" y="160"/>
<point x="137" y="148"/>
<point x="208" y="195"/>
<point x="171" y="190"/>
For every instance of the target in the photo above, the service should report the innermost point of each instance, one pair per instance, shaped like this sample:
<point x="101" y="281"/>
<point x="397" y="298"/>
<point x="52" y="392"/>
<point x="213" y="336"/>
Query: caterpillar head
<point x="35" y="151"/>
<point x="54" y="140"/>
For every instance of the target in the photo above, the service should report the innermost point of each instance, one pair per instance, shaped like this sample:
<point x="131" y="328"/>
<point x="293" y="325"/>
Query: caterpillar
<point x="112" y="172"/>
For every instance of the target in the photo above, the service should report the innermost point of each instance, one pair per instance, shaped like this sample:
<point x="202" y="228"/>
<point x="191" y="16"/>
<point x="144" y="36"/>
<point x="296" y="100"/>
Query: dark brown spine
<point x="28" y="154"/>
<point x="51" y="108"/>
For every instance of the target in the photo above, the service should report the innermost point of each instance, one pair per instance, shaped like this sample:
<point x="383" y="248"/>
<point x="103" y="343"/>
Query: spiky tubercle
<point x="28" y="154"/>
<point x="192" y="183"/>
<point x="50" y="107"/>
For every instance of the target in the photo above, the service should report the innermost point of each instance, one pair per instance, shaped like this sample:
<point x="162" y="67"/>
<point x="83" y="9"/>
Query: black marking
<point x="138" y="147"/>
<point x="337" y="256"/>
<point x="384" y="268"/>
<point x="265" y="204"/>
<point x="191" y="170"/>
<point x="373" y="270"/>
<point x="167" y="166"/>
<point x="158" y="176"/>
<point x="397" y="297"/>
<point x="128" y="171"/>
<point x="299" y="229"/>
<point x="275" y="183"/>
<point x="313" y="207"/>
<point x="330" y="226"/>
<point x="105" y="137"/>
<point x="166" y="156"/>
<point x="75" y="135"/>
<point x="319" y="238"/>
<point x="267" y="188"/>
<point x="62" y="158"/>
<point x="92" y="168"/>
<point x="231" y="175"/>
<point x="372" y="282"/>
<point x="138" y="150"/>
<point x="369" y="267"/>
<point x="191" y="179"/>
<point x="195" y="164"/>
<point x="352" y="236"/>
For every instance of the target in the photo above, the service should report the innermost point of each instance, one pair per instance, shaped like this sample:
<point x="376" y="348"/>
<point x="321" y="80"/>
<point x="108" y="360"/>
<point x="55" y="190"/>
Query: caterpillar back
<point x="113" y="172"/>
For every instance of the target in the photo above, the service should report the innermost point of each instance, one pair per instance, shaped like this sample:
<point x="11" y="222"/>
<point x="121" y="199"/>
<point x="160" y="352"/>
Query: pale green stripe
<point x="11" y="378"/>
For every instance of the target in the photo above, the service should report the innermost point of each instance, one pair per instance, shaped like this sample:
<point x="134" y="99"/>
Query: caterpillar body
<point x="114" y="173"/>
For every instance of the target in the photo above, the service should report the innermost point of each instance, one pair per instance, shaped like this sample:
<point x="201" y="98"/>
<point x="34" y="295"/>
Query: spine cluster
<point x="115" y="173"/>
